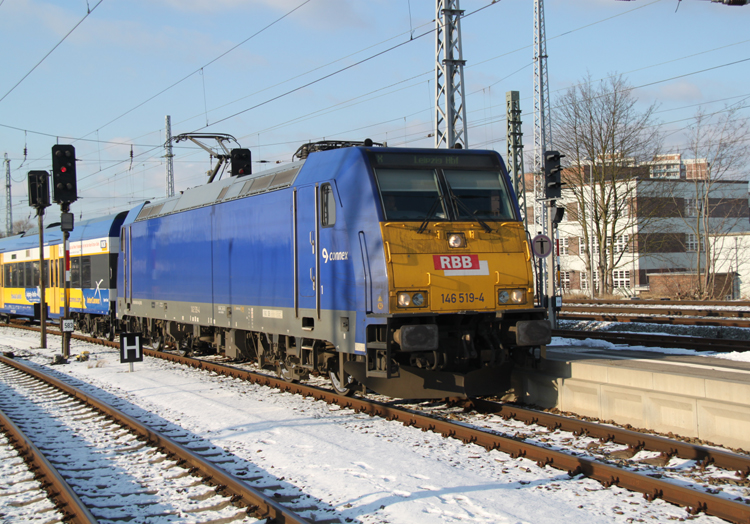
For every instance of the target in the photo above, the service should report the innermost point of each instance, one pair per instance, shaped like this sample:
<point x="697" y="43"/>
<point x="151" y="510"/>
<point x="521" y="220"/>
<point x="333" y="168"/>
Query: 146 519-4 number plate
<point x="461" y="298"/>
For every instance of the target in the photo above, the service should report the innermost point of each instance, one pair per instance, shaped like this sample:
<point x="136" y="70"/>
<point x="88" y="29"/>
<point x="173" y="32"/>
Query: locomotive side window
<point x="410" y="194"/>
<point x="480" y="194"/>
<point x="327" y="206"/>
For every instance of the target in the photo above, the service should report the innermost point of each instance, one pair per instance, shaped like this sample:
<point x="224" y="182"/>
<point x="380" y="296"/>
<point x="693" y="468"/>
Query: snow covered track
<point x="74" y="510"/>
<point x="694" y="500"/>
<point x="112" y="470"/>
<point x="635" y="440"/>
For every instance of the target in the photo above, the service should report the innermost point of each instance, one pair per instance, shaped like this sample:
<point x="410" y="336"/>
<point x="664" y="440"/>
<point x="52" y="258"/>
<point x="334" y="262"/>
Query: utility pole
<point x="8" y="205"/>
<point x="169" y="156"/>
<point x="515" y="151"/>
<point x="450" y="109"/>
<point x="543" y="211"/>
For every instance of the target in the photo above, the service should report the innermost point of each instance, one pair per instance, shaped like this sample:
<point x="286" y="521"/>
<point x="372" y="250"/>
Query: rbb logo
<point x="443" y="262"/>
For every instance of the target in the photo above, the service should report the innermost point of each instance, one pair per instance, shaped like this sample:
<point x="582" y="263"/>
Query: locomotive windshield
<point x="479" y="195"/>
<point x="439" y="189"/>
<point x="410" y="194"/>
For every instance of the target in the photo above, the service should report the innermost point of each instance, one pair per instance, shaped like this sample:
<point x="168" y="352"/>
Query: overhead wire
<point x="90" y="10"/>
<point x="395" y="119"/>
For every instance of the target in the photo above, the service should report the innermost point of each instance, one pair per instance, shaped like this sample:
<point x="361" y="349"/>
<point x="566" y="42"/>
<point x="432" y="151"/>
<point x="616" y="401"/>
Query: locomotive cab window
<point x="327" y="206"/>
<point x="435" y="187"/>
<point x="410" y="194"/>
<point x="479" y="194"/>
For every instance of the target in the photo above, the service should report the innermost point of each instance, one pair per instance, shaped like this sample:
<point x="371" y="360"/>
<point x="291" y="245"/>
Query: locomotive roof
<point x="223" y="190"/>
<point x="326" y="160"/>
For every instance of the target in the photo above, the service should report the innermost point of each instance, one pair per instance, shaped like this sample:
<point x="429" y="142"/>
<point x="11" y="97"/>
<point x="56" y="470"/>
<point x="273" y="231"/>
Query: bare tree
<point x="718" y="143"/>
<point x="21" y="225"/>
<point x="605" y="137"/>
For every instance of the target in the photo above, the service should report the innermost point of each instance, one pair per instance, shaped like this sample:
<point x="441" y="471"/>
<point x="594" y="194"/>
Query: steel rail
<point x="74" y="510"/>
<point x="721" y="345"/>
<point x="724" y="322"/>
<point x="663" y="311"/>
<point x="695" y="501"/>
<point x="260" y="505"/>
<point x="673" y="303"/>
<point x="635" y="440"/>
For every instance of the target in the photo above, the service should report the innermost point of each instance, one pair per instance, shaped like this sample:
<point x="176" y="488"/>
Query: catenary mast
<point x="542" y="144"/>
<point x="169" y="156"/>
<point x="450" y="109"/>
<point x="8" y="206"/>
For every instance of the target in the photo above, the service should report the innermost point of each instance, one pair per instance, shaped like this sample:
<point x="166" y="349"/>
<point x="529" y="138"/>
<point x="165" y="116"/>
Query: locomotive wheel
<point x="157" y="343"/>
<point x="284" y="373"/>
<point x="344" y="389"/>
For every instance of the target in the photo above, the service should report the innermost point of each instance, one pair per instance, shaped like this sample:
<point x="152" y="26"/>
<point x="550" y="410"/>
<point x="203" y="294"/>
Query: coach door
<point x="55" y="262"/>
<point x="127" y="274"/>
<point x="307" y="271"/>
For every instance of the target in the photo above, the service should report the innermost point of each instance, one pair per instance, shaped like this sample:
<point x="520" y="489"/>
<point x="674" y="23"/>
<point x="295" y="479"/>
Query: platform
<point x="688" y="395"/>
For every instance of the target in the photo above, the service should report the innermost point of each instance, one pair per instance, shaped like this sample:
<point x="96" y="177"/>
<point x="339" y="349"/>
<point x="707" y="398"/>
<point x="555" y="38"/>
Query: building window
<point x="565" y="280"/>
<point x="692" y="207"/>
<point x="691" y="242"/>
<point x="620" y="279"/>
<point x="620" y="245"/>
<point x="585" y="280"/>
<point x="563" y="245"/>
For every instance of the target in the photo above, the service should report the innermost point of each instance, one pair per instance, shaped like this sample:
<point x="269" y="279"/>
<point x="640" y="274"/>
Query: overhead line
<point x="205" y="65"/>
<point x="51" y="50"/>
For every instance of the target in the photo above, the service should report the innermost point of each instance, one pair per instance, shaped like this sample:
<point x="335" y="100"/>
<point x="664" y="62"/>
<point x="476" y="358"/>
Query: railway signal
<point x="39" y="199"/>
<point x="552" y="174"/>
<point x="39" y="189"/>
<point x="64" y="188"/>
<point x="241" y="162"/>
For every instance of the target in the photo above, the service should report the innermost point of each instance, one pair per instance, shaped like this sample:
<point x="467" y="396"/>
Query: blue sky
<point x="100" y="88"/>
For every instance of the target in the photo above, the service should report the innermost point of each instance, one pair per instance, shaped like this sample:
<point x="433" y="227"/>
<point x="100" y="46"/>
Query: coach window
<point x="34" y="274"/>
<point x="86" y="272"/>
<point x="327" y="206"/>
<point x="75" y="272"/>
<point x="29" y="282"/>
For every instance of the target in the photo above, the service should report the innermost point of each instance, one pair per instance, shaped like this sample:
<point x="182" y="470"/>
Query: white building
<point x="659" y="232"/>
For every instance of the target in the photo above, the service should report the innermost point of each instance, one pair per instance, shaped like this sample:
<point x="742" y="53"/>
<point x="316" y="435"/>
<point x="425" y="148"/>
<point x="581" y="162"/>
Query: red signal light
<point x="63" y="169"/>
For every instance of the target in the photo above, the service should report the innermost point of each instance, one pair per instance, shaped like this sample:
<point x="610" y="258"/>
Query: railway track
<point x="609" y="468"/>
<point x="688" y="313"/>
<point x="101" y="465"/>
<point x="719" y="345"/>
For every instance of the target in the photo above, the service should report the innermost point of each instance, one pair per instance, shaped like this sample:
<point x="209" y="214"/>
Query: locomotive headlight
<point x="417" y="299"/>
<point x="456" y="240"/>
<point x="518" y="296"/>
<point x="404" y="300"/>
<point x="503" y="296"/>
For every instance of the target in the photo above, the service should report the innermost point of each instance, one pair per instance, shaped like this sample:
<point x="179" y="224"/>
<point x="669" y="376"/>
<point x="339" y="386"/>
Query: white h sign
<point x="131" y="347"/>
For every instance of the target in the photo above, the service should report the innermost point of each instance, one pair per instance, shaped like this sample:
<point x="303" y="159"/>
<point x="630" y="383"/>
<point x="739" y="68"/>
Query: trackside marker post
<point x="131" y="348"/>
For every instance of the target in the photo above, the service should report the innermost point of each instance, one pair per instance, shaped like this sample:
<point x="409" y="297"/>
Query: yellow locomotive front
<point x="461" y="305"/>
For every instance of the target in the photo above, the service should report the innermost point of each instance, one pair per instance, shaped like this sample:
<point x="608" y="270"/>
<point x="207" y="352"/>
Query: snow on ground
<point x="369" y="469"/>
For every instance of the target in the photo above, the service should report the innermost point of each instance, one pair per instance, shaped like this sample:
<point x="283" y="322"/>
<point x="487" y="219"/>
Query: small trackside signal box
<point x="241" y="162"/>
<point x="64" y="188"/>
<point x="39" y="189"/>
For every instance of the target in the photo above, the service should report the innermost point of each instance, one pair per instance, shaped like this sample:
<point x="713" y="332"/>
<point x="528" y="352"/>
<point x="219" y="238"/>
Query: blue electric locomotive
<point x="404" y="270"/>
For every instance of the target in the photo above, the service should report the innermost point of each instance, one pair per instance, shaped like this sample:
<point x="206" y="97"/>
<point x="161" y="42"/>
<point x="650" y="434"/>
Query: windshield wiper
<point x="437" y="201"/>
<point x="458" y="201"/>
